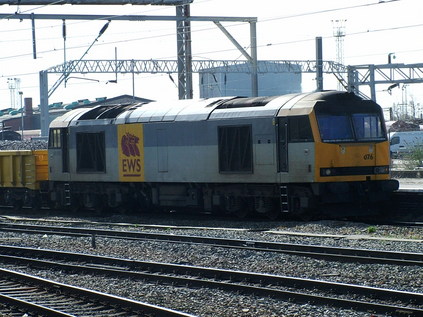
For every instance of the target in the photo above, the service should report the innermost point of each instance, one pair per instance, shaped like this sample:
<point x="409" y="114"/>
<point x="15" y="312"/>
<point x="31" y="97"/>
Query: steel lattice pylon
<point x="184" y="55"/>
<point x="128" y="66"/>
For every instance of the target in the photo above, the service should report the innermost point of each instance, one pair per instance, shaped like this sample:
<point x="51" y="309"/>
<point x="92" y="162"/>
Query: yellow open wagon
<point x="21" y="175"/>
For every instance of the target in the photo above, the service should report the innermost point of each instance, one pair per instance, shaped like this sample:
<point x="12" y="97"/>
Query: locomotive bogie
<point x="100" y="196"/>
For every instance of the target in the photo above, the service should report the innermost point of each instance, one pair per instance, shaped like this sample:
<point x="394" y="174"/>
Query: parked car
<point x="8" y="135"/>
<point x="402" y="143"/>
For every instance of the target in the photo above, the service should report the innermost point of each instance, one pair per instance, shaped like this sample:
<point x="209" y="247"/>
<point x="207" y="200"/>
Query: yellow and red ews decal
<point x="131" y="152"/>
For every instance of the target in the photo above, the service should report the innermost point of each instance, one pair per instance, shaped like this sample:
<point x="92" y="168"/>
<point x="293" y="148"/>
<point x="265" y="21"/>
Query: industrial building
<point x="236" y="80"/>
<point x="28" y="122"/>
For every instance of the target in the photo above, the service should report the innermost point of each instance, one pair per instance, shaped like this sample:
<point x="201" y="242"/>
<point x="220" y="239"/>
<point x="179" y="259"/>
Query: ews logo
<point x="129" y="145"/>
<point x="131" y="152"/>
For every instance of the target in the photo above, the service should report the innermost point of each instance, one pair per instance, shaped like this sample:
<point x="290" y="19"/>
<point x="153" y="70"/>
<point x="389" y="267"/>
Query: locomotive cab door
<point x="65" y="151"/>
<point x="282" y="128"/>
<point x="59" y="153"/>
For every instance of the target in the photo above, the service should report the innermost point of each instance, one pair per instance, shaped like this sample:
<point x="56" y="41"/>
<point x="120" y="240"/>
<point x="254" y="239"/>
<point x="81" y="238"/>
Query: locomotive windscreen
<point x="350" y="121"/>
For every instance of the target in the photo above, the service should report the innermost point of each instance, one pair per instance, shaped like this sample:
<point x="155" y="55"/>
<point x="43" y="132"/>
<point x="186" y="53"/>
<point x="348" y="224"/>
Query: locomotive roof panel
<point x="66" y="119"/>
<point x="198" y="111"/>
<point x="179" y="110"/>
<point x="297" y="105"/>
<point x="286" y="105"/>
<point x="250" y="107"/>
<point x="305" y="103"/>
<point x="204" y="109"/>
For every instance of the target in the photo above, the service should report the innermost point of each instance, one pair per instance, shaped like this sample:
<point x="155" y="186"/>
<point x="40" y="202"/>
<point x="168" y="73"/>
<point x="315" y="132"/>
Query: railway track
<point x="377" y="300"/>
<point x="315" y="251"/>
<point x="35" y="296"/>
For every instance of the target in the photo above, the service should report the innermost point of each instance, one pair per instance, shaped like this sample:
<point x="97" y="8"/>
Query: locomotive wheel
<point x="17" y="204"/>
<point x="242" y="212"/>
<point x="121" y="209"/>
<point x="266" y="206"/>
<point x="36" y="204"/>
<point x="232" y="204"/>
<point x="273" y="214"/>
<point x="75" y="206"/>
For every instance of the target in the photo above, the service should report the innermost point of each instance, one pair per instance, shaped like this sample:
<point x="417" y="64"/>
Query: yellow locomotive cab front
<point x="350" y="146"/>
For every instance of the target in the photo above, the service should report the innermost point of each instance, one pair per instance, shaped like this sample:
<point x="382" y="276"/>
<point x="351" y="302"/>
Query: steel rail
<point x="32" y="299"/>
<point x="406" y="223"/>
<point x="325" y="252"/>
<point x="32" y="307"/>
<point x="218" y="278"/>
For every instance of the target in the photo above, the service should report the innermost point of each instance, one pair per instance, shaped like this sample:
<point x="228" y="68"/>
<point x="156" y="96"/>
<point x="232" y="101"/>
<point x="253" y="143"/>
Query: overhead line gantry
<point x="183" y="21"/>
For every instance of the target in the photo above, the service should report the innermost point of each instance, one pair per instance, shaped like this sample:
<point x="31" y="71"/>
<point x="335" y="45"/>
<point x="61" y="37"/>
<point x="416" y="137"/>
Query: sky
<point x="286" y="30"/>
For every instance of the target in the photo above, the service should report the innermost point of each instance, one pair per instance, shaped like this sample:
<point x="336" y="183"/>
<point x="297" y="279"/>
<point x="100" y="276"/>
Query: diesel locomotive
<point x="293" y="154"/>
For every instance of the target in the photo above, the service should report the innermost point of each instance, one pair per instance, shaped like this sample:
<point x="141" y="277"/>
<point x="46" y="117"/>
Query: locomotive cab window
<point x="90" y="152"/>
<point x="346" y="122"/>
<point x="367" y="126"/>
<point x="235" y="149"/>
<point x="55" y="139"/>
<point x="299" y="129"/>
<point x="335" y="128"/>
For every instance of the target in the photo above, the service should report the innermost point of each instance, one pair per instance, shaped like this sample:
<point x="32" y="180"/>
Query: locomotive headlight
<point x="326" y="172"/>
<point x="381" y="170"/>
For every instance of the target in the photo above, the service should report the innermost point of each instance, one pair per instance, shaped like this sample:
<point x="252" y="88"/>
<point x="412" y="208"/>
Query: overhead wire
<point x="233" y="25"/>
<point x="327" y="10"/>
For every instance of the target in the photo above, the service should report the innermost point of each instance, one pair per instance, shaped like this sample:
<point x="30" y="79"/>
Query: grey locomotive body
<point x="236" y="155"/>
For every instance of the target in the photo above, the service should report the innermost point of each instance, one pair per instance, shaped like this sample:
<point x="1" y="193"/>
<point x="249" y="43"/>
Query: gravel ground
<point x="23" y="145"/>
<point x="204" y="302"/>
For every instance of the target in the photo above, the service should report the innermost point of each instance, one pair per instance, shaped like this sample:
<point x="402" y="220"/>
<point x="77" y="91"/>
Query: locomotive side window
<point x="235" y="149"/>
<point x="90" y="152"/>
<point x="55" y="139"/>
<point x="299" y="129"/>
<point x="58" y="139"/>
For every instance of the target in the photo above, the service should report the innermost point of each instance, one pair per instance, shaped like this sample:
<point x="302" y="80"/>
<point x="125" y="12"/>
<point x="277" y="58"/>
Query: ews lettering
<point x="131" y="165"/>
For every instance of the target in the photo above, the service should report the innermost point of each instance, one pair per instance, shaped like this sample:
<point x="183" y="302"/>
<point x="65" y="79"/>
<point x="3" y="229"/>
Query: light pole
<point x="405" y="101"/>
<point x="390" y="57"/>
<point x="22" y="113"/>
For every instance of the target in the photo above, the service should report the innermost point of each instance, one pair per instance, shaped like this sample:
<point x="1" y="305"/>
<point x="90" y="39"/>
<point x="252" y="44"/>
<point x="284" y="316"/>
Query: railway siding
<point x="206" y="302"/>
<point x="245" y="282"/>
<point x="48" y="298"/>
